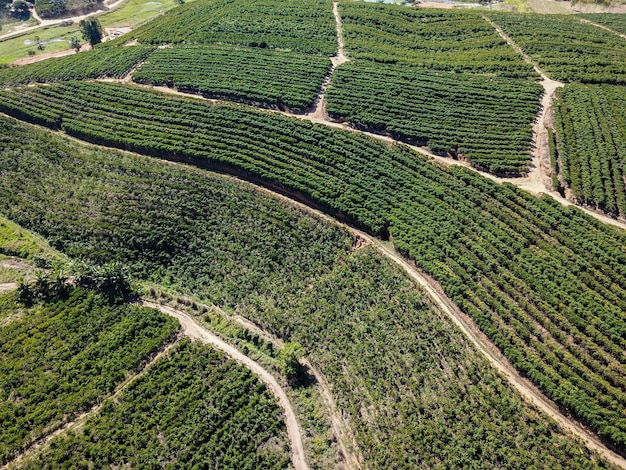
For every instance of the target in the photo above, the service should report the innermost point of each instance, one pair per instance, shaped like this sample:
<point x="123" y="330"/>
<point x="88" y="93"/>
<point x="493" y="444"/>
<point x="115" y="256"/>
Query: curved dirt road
<point x="341" y="429"/>
<point x="194" y="330"/>
<point x="467" y="326"/>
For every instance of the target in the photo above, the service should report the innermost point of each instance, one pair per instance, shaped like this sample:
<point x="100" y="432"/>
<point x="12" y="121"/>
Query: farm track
<point x="467" y="326"/>
<point x="43" y="441"/>
<point x="53" y="22"/>
<point x="341" y="429"/>
<point x="192" y="329"/>
<point x="319" y="109"/>
<point x="598" y="25"/>
<point x="447" y="306"/>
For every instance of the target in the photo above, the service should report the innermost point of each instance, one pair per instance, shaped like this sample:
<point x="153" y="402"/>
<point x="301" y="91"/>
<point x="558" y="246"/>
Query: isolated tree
<point x="91" y="30"/>
<point x="20" y="10"/>
<point x="75" y="43"/>
<point x="290" y="357"/>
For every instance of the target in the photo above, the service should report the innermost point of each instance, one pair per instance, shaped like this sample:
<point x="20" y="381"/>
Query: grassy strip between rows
<point x="487" y="120"/>
<point x="566" y="48"/>
<point x="194" y="408"/>
<point x="58" y="360"/>
<point x="267" y="78"/>
<point x="415" y="391"/>
<point x="591" y="144"/>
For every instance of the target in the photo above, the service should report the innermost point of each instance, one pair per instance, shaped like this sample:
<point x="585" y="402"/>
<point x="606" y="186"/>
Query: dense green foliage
<point x="299" y="25"/>
<point x="566" y="48"/>
<point x="484" y="119"/>
<point x="58" y="359"/>
<point x="591" y="144"/>
<point x="439" y="39"/>
<point x="91" y="30"/>
<point x="254" y="76"/>
<point x="415" y="390"/>
<point x="102" y="62"/>
<point x="614" y="21"/>
<point x="193" y="409"/>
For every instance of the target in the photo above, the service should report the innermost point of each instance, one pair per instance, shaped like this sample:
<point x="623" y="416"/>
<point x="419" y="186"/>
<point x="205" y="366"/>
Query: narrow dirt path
<point x="43" y="23"/>
<point x="194" y="330"/>
<point x="8" y="286"/>
<point x="318" y="114"/>
<point x="435" y="292"/>
<point x="598" y="25"/>
<point x="467" y="326"/>
<point x="341" y="429"/>
<point x="42" y="442"/>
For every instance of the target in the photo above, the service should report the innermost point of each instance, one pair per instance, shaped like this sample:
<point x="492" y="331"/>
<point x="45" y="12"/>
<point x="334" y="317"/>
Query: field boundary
<point x="42" y="442"/>
<point x="194" y="330"/>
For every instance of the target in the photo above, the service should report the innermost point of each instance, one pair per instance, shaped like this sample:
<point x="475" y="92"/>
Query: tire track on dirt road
<point x="192" y="329"/>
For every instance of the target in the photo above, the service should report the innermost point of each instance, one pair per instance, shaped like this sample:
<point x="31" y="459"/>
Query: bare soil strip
<point x="7" y="286"/>
<point x="318" y="114"/>
<point x="537" y="181"/>
<point x="194" y="330"/>
<point x="432" y="288"/>
<point x="341" y="429"/>
<point x="598" y="25"/>
<point x="42" y="442"/>
<point x="435" y="292"/>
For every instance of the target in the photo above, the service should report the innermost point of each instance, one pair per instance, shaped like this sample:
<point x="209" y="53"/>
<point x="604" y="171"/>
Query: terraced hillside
<point x="193" y="407"/>
<point x="260" y="77"/>
<point x="567" y="48"/>
<point x="540" y="283"/>
<point x="375" y="336"/>
<point x="59" y="359"/>
<point x="591" y="144"/>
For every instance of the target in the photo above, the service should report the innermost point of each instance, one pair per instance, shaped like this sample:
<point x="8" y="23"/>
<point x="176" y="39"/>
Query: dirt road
<point x="56" y="21"/>
<point x="194" y="330"/>
<point x="318" y="114"/>
<point x="341" y="429"/>
<point x="531" y="393"/>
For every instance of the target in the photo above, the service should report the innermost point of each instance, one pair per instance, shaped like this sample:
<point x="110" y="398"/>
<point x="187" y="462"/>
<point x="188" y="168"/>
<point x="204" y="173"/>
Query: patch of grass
<point x="135" y="12"/>
<point x="56" y="38"/>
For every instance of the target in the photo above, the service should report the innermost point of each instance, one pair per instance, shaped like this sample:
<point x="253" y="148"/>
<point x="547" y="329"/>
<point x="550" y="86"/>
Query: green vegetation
<point x="299" y="25"/>
<point x="194" y="408"/>
<point x="614" y="21"/>
<point x="487" y="120"/>
<point x="135" y="12"/>
<point x="415" y="390"/>
<point x="591" y="144"/>
<point x="102" y="62"/>
<point x="546" y="284"/>
<point x="18" y="242"/>
<point x="59" y="359"/>
<point x="566" y="48"/>
<point x="53" y="38"/>
<point x="91" y="30"/>
<point x="60" y="8"/>
<point x="267" y="78"/>
<point x="460" y="41"/>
